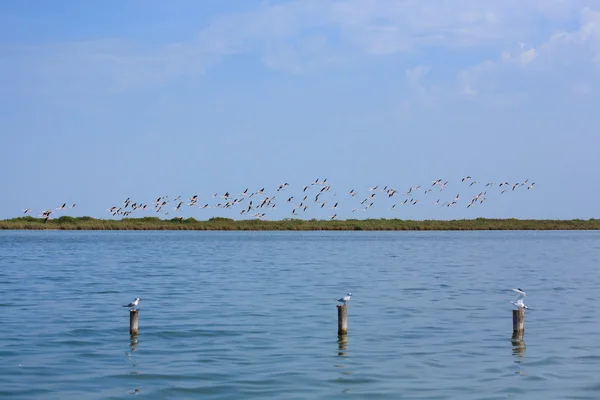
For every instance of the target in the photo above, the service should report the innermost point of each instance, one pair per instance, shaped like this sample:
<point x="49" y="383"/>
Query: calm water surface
<point x="240" y="315"/>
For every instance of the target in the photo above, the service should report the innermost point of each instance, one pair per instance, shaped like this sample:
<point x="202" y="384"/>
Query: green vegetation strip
<point x="226" y="224"/>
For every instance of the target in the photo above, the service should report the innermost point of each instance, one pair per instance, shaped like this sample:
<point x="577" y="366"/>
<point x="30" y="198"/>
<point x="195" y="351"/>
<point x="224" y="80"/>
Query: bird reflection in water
<point x="342" y="351"/>
<point x="518" y="346"/>
<point x="133" y="347"/>
<point x="518" y="350"/>
<point x="342" y="343"/>
<point x="133" y="343"/>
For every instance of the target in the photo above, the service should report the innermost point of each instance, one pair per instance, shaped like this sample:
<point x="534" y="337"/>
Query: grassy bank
<point x="225" y="224"/>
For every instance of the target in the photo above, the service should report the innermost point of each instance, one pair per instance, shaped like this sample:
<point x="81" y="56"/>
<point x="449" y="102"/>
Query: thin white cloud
<point x="386" y="27"/>
<point x="575" y="51"/>
<point x="586" y="37"/>
<point x="304" y="35"/>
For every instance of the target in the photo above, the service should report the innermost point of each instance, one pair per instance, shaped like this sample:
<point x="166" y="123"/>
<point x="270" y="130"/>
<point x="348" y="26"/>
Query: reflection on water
<point x="217" y="346"/>
<point x="518" y="346"/>
<point x="343" y="353"/>
<point x="518" y="351"/>
<point x="133" y="342"/>
<point x="343" y="345"/>
<point x="133" y="347"/>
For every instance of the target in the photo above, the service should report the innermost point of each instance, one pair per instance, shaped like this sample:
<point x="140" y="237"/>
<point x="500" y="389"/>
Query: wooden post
<point x="133" y="322"/>
<point x="342" y="320"/>
<point x="518" y="322"/>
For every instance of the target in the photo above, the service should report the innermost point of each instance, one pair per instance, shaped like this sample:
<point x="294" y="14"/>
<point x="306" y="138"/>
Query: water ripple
<point x="230" y="315"/>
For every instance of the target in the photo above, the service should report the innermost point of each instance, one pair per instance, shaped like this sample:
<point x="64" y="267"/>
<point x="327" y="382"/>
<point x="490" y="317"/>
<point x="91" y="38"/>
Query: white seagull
<point x="345" y="299"/>
<point x="133" y="304"/>
<point x="519" y="302"/>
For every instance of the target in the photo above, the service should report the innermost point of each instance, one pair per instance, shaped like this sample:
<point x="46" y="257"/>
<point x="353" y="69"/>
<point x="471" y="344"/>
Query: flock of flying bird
<point x="46" y="214"/>
<point x="317" y="195"/>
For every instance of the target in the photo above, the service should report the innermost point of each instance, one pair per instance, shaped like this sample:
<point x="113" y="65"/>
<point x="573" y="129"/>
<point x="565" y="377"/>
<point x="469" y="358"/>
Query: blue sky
<point x="102" y="101"/>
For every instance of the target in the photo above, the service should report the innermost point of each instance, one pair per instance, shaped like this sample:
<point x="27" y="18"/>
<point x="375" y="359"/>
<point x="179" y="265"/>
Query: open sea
<point x="252" y="315"/>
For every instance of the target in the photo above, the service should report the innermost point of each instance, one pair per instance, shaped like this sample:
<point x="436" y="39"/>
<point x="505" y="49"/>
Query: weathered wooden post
<point x="342" y="319"/>
<point x="518" y="323"/>
<point x="133" y="322"/>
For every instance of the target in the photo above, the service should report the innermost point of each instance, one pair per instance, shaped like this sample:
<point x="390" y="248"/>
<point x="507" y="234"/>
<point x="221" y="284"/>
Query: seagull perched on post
<point x="519" y="302"/>
<point x="133" y="304"/>
<point x="345" y="299"/>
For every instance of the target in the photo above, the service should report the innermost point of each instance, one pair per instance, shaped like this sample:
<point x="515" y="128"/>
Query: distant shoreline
<point x="226" y="224"/>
